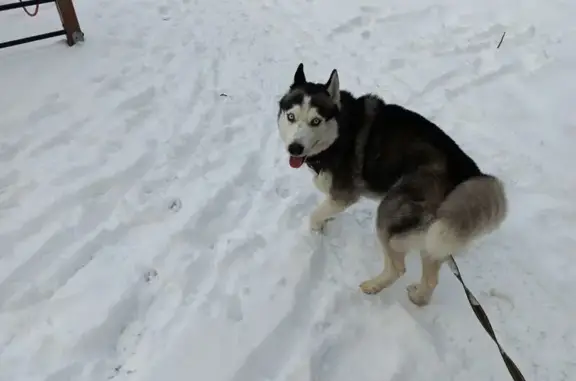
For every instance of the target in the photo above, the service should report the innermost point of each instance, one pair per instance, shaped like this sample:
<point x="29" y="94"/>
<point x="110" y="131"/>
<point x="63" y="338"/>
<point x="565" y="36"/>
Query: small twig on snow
<point x="502" y="39"/>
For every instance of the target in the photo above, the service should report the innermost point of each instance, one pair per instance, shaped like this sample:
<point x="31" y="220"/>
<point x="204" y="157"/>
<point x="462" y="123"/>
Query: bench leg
<point x="69" y="21"/>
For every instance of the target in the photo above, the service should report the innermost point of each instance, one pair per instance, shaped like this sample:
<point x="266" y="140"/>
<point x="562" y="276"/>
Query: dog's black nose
<point x="295" y="149"/>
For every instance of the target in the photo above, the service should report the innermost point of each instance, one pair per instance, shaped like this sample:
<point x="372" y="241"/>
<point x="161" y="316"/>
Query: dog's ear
<point x="299" y="77"/>
<point x="333" y="87"/>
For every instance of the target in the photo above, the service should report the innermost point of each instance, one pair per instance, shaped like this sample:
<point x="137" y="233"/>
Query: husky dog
<point x="432" y="196"/>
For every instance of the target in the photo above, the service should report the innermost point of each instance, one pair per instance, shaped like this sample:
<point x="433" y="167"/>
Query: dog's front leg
<point x="323" y="182"/>
<point x="326" y="210"/>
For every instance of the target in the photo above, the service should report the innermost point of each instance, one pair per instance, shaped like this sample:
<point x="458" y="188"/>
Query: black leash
<point x="481" y="315"/>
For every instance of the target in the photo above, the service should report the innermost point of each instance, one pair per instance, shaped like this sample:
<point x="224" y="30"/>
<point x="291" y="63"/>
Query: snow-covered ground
<point x="151" y="228"/>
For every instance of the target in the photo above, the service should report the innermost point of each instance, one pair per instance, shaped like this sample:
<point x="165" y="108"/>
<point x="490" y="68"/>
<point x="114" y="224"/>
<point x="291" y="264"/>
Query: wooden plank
<point x="69" y="21"/>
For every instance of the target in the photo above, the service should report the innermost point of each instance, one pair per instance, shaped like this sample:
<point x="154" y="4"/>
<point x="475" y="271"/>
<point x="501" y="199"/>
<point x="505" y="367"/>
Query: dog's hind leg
<point x="394" y="265"/>
<point x="392" y="211"/>
<point x="401" y="216"/>
<point x="421" y="293"/>
<point x="474" y="208"/>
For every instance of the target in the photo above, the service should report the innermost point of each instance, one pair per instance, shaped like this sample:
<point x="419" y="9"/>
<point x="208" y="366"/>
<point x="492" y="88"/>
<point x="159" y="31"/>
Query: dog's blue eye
<point x="290" y="117"/>
<point x="315" y="122"/>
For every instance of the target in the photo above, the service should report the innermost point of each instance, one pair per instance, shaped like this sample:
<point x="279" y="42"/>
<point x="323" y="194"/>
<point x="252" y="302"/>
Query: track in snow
<point x="151" y="228"/>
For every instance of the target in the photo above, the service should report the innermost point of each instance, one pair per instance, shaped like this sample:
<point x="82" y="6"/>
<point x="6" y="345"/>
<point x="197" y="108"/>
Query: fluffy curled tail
<point x="474" y="208"/>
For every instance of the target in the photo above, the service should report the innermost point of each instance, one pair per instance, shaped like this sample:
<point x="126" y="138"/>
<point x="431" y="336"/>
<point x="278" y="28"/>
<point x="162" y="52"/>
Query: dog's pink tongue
<point x="296" y="162"/>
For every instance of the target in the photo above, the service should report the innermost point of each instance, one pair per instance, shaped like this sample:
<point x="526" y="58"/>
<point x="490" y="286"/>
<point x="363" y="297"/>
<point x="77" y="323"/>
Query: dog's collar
<point x="314" y="164"/>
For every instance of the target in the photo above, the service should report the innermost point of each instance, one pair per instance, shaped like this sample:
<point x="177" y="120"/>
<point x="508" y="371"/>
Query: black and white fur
<point x="432" y="196"/>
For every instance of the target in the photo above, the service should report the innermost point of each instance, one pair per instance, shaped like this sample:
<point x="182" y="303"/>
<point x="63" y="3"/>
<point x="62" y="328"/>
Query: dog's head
<point x="307" y="116"/>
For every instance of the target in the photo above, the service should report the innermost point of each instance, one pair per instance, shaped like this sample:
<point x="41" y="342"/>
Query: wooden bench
<point x="71" y="27"/>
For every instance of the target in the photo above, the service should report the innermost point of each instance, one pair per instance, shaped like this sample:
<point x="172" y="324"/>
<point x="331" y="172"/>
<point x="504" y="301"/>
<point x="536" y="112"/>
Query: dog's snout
<point x="295" y="149"/>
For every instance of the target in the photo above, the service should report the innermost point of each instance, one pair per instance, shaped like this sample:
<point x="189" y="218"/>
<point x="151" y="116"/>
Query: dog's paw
<point x="317" y="225"/>
<point x="418" y="294"/>
<point x="372" y="286"/>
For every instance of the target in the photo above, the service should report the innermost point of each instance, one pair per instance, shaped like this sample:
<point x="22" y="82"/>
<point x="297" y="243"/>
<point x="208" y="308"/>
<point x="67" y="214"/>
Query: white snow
<point x="152" y="229"/>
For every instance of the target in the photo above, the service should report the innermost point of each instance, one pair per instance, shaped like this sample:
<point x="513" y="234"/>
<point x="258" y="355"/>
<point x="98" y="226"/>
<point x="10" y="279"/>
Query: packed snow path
<point x="151" y="228"/>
